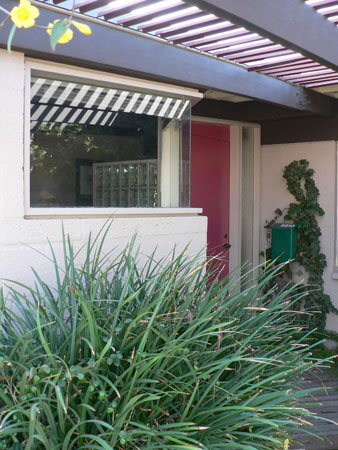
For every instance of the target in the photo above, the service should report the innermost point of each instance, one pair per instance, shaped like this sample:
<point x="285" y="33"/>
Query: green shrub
<point x="115" y="357"/>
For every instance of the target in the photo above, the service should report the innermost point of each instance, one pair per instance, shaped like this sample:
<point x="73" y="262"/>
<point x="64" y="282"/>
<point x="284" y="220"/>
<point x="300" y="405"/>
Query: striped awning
<point x="65" y="102"/>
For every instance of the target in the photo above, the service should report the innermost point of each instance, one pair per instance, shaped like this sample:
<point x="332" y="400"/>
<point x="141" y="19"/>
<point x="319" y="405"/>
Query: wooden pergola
<point x="277" y="52"/>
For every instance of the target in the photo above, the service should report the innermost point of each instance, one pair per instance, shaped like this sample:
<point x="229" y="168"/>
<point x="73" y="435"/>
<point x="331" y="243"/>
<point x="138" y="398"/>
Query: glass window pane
<point x="124" y="198"/>
<point x="106" y="198"/>
<point x="143" y="174"/>
<point x="133" y="198"/>
<point x="115" y="173"/>
<point x="99" y="146"/>
<point x="107" y="177"/>
<point x="143" y="196"/>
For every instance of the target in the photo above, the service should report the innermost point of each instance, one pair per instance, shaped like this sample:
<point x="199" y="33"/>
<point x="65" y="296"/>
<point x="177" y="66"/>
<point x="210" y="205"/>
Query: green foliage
<point x="58" y="30"/>
<point x="117" y="357"/>
<point x="10" y="38"/>
<point x="304" y="213"/>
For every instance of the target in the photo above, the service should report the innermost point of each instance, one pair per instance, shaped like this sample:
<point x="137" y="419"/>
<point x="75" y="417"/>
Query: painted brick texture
<point x="22" y="241"/>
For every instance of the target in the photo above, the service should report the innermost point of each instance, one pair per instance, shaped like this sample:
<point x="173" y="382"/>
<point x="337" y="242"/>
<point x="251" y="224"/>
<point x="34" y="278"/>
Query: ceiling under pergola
<point x="182" y="23"/>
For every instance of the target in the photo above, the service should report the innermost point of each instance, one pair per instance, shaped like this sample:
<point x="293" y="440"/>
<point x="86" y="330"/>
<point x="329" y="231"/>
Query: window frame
<point x="97" y="77"/>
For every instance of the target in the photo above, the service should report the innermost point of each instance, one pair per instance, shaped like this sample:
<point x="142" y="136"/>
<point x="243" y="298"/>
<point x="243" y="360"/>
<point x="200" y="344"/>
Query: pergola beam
<point x="244" y="111"/>
<point x="291" y="23"/>
<point x="115" y="50"/>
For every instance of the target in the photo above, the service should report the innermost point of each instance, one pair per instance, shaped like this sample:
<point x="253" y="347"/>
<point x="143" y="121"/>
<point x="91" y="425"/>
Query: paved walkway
<point x="328" y="408"/>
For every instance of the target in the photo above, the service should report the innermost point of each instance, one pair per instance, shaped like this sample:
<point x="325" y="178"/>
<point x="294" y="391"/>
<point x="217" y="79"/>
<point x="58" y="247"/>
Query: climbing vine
<point x="304" y="213"/>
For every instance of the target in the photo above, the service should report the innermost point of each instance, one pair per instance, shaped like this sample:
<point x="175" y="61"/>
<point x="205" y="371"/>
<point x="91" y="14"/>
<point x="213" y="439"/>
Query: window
<point x="103" y="145"/>
<point x="127" y="183"/>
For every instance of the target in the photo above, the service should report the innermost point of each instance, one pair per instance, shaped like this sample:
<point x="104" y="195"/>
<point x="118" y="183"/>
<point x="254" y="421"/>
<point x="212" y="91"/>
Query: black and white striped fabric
<point x="63" y="102"/>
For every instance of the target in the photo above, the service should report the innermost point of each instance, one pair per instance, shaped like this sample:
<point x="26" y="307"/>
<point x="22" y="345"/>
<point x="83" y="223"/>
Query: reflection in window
<point x="102" y="147"/>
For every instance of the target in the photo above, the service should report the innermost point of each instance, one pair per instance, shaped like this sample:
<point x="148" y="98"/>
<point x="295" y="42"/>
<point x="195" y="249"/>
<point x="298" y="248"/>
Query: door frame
<point x="235" y="216"/>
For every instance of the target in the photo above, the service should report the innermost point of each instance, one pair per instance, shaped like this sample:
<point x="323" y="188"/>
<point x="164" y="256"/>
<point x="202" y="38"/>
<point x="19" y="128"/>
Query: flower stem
<point x="5" y="10"/>
<point x="3" y="23"/>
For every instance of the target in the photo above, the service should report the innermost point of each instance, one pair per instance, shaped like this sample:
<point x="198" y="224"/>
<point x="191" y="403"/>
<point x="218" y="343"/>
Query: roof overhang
<point x="112" y="49"/>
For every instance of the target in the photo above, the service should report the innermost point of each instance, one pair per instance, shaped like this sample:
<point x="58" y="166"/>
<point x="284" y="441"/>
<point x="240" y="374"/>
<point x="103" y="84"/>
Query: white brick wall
<point x="18" y="237"/>
<point x="274" y="194"/>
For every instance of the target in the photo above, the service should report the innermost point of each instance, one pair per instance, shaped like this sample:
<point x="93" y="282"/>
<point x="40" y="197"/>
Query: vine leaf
<point x="58" y="30"/>
<point x="300" y="183"/>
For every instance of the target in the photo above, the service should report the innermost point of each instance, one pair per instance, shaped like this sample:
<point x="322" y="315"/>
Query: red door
<point x="210" y="173"/>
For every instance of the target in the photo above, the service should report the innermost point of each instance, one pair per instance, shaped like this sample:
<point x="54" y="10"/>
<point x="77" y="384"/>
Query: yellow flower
<point x="83" y="28"/>
<point x="25" y="14"/>
<point x="66" y="37"/>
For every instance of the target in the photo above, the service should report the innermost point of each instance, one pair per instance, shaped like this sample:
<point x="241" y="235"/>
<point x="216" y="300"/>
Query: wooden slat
<point x="238" y="38"/>
<point x="287" y="22"/>
<point x="144" y="17"/>
<point x="117" y="11"/>
<point x="184" y="15"/>
<point x="217" y="26"/>
<point x="296" y="68"/>
<point x="322" y="3"/>
<point x="263" y="55"/>
<point x="180" y="27"/>
<point x="260" y="50"/>
<point x="258" y="43"/>
<point x="89" y="5"/>
<point x="266" y="65"/>
<point x="217" y="38"/>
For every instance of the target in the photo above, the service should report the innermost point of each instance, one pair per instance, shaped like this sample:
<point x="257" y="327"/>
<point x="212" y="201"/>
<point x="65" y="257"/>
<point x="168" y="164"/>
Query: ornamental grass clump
<point x="115" y="356"/>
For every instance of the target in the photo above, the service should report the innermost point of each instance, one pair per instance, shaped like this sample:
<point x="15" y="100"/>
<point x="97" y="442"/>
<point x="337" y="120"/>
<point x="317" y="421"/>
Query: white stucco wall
<point x="274" y="194"/>
<point x="20" y="237"/>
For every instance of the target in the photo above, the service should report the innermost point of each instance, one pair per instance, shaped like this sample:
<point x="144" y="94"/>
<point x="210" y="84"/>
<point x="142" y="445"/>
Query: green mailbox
<point x="284" y="241"/>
